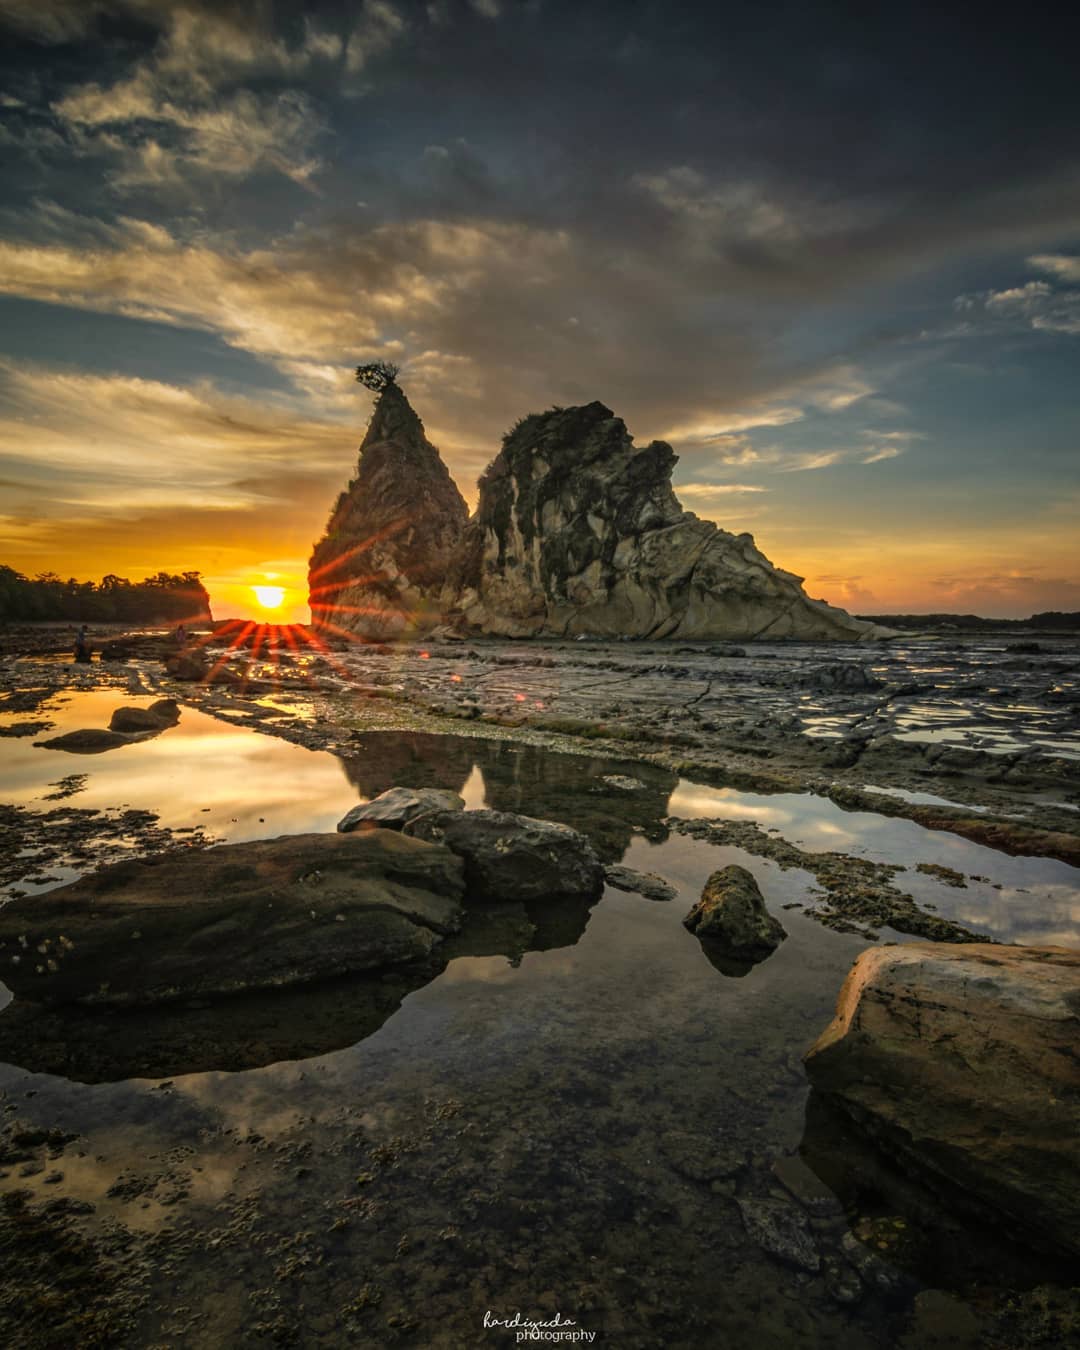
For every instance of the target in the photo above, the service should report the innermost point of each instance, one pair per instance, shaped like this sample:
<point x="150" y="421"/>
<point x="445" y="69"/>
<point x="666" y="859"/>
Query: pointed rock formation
<point x="379" y="569"/>
<point x="578" y="531"/>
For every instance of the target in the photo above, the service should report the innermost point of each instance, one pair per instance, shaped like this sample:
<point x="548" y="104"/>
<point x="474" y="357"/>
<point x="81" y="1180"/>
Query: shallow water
<point x="562" y="1120"/>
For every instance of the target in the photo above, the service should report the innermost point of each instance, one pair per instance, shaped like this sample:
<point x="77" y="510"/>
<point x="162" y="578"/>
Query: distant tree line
<point x="163" y="598"/>
<point x="1051" y="621"/>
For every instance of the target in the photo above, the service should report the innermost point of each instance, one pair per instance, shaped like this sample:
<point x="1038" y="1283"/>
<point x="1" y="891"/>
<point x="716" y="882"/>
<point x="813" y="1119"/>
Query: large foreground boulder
<point x="962" y="1062"/>
<point x="232" y="919"/>
<point x="509" y="857"/>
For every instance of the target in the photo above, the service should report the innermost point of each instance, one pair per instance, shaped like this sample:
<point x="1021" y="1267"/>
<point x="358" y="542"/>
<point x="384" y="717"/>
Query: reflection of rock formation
<point x="98" y="1046"/>
<point x="93" y="1045"/>
<point x="941" y="1244"/>
<point x="127" y="726"/>
<point x="410" y="759"/>
<point x="524" y="779"/>
<point x="232" y="958"/>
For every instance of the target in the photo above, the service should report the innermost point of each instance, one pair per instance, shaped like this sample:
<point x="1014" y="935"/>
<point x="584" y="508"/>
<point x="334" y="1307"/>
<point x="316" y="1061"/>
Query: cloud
<point x="714" y="214"/>
<point x="847" y="591"/>
<point x="721" y="430"/>
<point x="111" y="443"/>
<point x="231" y="137"/>
<point x="1005" y="593"/>
<point x="52" y="21"/>
<point x="1036" y="304"/>
<point x="201" y="100"/>
<point x="1064" y="266"/>
<point x="811" y="459"/>
<point x="716" y="489"/>
<point x="479" y="308"/>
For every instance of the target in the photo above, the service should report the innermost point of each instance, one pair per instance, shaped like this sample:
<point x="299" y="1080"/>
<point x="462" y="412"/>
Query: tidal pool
<point x="576" y="1117"/>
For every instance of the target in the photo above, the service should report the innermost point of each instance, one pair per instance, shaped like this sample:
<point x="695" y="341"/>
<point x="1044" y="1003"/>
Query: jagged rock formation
<point x="577" y="532"/>
<point x="380" y="567"/>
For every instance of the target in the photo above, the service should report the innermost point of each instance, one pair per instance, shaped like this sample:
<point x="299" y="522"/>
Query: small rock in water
<point x="872" y="1269"/>
<point x="620" y="782"/>
<point x="647" y="884"/>
<point x="160" y="715"/>
<point x="779" y="1228"/>
<point x="941" y="1320"/>
<point x="948" y="875"/>
<point x="732" y="914"/>
<point x="397" y="806"/>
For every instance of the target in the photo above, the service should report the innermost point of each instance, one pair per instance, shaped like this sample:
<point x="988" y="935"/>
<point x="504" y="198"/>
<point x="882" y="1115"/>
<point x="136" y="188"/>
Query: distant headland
<point x="1052" y="621"/>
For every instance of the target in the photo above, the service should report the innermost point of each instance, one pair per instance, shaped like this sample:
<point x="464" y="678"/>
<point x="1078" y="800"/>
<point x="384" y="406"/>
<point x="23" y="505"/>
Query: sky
<point x="831" y="253"/>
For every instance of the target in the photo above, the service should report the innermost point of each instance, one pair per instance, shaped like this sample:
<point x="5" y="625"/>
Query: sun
<point x="270" y="597"/>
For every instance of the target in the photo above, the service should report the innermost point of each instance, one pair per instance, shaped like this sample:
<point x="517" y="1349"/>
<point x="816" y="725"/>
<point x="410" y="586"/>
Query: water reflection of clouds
<point x="1050" y="912"/>
<point x="201" y="762"/>
<point x="695" y="803"/>
<point x="474" y="790"/>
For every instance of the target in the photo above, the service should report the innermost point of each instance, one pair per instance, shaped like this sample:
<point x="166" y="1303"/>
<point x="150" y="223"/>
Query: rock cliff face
<point x="577" y="532"/>
<point x="379" y="569"/>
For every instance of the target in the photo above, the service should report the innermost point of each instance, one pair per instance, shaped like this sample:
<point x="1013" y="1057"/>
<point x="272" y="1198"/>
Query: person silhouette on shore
<point x="82" y="645"/>
<point x="180" y="636"/>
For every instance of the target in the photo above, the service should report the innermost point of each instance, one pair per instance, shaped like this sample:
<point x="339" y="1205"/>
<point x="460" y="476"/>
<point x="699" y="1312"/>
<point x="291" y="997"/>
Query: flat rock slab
<point x="235" y="918"/>
<point x="647" y="884"/>
<point x="511" y="857"/>
<point x="394" y="808"/>
<point x="961" y="1061"/>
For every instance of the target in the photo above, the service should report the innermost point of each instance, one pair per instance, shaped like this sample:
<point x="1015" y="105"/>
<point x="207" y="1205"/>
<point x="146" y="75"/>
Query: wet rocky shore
<point x="573" y="1109"/>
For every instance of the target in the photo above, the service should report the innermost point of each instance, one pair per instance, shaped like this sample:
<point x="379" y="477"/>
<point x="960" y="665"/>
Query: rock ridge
<point x="577" y="532"/>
